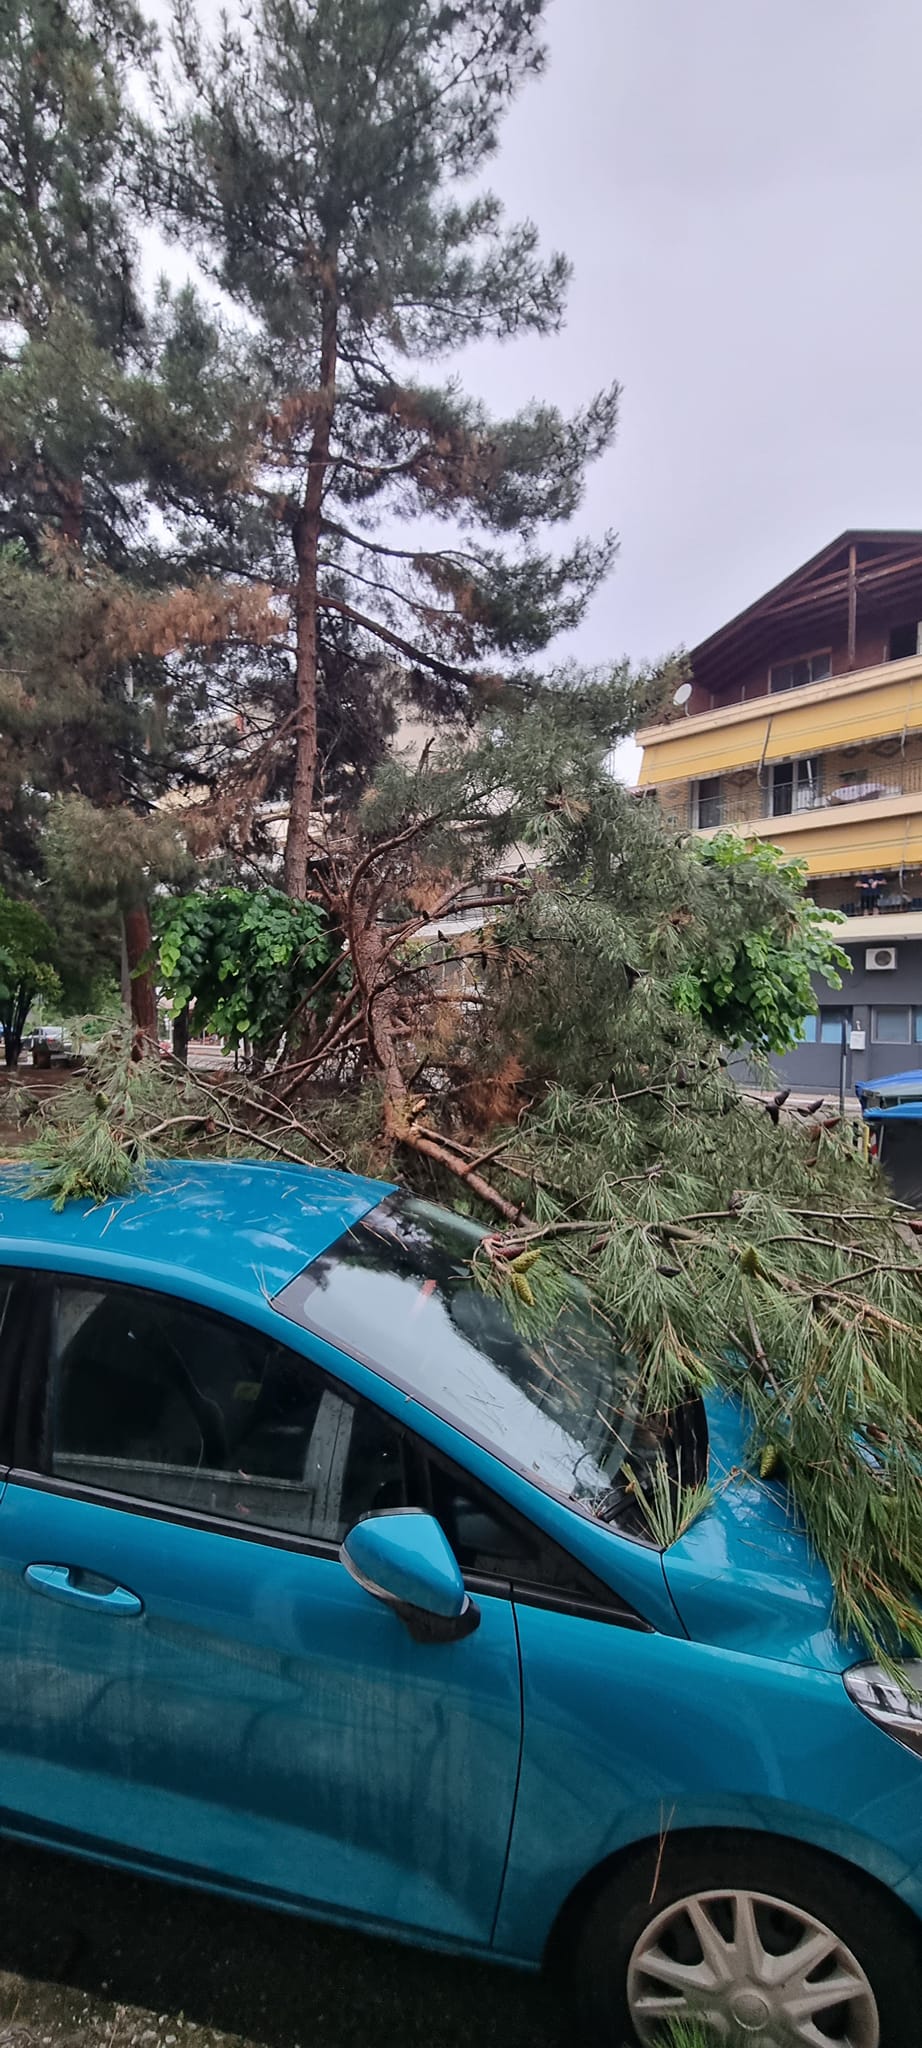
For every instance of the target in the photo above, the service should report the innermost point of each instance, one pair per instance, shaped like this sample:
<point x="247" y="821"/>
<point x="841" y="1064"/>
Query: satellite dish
<point x="682" y="694"/>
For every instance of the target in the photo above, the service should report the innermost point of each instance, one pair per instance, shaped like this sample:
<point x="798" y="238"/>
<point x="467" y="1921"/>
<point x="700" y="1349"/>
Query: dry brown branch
<point x="438" y="1152"/>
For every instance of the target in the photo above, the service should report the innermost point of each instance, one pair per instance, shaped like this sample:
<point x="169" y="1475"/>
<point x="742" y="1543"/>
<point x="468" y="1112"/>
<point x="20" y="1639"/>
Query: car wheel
<point x="760" y="1942"/>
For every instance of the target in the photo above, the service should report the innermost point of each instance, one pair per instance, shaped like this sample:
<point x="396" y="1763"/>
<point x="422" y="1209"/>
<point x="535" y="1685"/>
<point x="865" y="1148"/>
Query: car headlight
<point x="897" y="1711"/>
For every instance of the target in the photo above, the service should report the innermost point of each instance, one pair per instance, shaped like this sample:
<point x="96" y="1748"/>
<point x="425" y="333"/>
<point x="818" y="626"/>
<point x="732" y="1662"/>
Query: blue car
<point x="321" y="1587"/>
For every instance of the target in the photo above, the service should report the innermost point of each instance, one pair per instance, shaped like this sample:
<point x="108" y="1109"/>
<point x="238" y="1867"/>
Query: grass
<point x="689" y="2034"/>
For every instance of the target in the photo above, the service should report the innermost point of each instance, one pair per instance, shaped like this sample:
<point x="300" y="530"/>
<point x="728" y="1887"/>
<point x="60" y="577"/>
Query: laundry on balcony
<point x="861" y="792"/>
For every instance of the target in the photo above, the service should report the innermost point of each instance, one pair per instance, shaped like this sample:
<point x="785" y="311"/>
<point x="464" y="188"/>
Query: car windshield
<point x="397" y="1291"/>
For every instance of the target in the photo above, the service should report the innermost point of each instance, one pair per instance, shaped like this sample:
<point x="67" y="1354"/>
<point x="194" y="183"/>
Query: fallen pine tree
<point x="554" y="1061"/>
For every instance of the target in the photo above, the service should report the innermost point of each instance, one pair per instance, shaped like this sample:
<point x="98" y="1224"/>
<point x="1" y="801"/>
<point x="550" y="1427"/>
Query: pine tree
<point x="64" y="238"/>
<point x="100" y="429"/>
<point x="320" y="159"/>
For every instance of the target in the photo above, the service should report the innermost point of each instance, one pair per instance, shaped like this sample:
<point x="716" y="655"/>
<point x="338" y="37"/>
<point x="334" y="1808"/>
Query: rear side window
<point x="160" y="1401"/>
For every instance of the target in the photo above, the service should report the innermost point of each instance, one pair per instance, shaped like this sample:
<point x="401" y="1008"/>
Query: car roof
<point x="249" y="1225"/>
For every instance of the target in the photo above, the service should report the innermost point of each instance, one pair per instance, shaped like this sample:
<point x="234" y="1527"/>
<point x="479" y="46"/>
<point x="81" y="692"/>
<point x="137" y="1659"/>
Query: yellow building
<point x="804" y="726"/>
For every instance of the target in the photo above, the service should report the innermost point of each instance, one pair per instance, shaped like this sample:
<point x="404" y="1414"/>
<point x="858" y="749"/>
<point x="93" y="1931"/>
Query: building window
<point x="825" y="1028"/>
<point x="795" y="675"/>
<point x="794" y="786"/>
<point x="891" y="1026"/>
<point x="831" y="1022"/>
<point x="905" y="641"/>
<point x="708" y="804"/>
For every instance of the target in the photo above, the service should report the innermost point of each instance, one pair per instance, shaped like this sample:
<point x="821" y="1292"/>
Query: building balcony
<point x="859" y="833"/>
<point x="854" y="709"/>
<point x="897" y="786"/>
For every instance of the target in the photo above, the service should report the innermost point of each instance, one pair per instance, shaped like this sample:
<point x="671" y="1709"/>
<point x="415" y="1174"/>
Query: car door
<point x="189" y="1677"/>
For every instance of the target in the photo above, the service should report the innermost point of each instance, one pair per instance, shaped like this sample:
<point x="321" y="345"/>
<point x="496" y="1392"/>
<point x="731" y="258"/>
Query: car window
<point x="152" y="1398"/>
<point x="490" y="1540"/>
<point x="397" y="1290"/>
<point x="157" y="1400"/>
<point x="8" y="1365"/>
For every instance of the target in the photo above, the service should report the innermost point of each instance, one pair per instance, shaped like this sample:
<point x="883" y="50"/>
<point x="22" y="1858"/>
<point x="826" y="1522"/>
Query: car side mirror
<point x="402" y="1557"/>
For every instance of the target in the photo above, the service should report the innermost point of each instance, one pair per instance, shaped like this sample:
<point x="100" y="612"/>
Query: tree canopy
<point x="355" y="255"/>
<point x="27" y="970"/>
<point x="104" y="451"/>
<point x="756" y="990"/>
<point x="247" y="960"/>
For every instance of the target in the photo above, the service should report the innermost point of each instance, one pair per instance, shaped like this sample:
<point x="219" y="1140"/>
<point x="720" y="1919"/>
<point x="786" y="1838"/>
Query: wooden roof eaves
<point x="763" y="606"/>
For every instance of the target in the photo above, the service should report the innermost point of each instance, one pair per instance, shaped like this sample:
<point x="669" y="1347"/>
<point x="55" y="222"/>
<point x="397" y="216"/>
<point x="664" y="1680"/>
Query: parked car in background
<point x="47" y="1044"/>
<point x="320" y="1586"/>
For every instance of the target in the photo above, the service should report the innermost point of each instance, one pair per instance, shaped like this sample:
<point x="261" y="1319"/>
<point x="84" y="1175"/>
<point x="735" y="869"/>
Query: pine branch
<point x="449" y="672"/>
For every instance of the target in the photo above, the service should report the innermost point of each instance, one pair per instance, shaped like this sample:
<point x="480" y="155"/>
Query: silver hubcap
<point x="753" y="1970"/>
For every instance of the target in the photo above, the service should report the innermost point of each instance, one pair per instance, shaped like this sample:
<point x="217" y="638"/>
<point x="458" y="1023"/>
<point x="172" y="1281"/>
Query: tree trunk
<point x="307" y="548"/>
<point x="124" y="972"/>
<point x="138" y="942"/>
<point x="15" y="1023"/>
<point x="367" y="943"/>
<point x="181" y="1036"/>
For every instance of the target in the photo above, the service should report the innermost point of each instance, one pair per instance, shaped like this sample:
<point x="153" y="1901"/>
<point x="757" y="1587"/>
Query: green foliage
<point x="590" y="1106"/>
<point x="94" y="1140"/>
<point x="62" y="130"/>
<point x="27" y="953"/>
<point x="93" y="1146"/>
<point x="87" y="1026"/>
<point x="608" y="951"/>
<point x="767" y="1260"/>
<point x="756" y="990"/>
<point x="668" y="1507"/>
<point x="111" y="855"/>
<point x="246" y="959"/>
<point x="729" y="1246"/>
<point x="25" y="935"/>
<point x="122" y="428"/>
<point x="690" y="2034"/>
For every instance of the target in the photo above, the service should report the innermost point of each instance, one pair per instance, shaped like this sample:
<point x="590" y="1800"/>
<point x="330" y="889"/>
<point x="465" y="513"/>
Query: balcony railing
<point x="709" y="813"/>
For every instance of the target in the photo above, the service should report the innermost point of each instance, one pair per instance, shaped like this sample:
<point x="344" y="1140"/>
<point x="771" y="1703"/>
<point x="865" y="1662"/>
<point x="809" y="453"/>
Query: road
<point x="109" y="1961"/>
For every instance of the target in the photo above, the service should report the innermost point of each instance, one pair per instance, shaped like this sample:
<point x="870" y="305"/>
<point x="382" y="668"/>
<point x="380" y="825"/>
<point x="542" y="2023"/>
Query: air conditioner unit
<point x="880" y="959"/>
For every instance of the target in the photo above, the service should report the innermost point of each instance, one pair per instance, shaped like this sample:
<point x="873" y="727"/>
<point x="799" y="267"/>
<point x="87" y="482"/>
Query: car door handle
<point x="63" y="1582"/>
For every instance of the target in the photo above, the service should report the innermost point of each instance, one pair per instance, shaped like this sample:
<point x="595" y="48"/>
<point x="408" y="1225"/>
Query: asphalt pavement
<point x="102" y="1959"/>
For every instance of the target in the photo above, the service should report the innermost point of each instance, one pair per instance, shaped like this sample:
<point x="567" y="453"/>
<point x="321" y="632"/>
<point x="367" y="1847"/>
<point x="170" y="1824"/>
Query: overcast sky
<point x="738" y="183"/>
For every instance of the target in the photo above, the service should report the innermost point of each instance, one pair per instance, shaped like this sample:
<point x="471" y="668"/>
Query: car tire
<point x="794" y="1894"/>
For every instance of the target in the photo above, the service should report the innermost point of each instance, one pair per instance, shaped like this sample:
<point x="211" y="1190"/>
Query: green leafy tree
<point x="247" y="961"/>
<point x="319" y="158"/>
<point x="27" y="970"/>
<point x="755" y="989"/>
